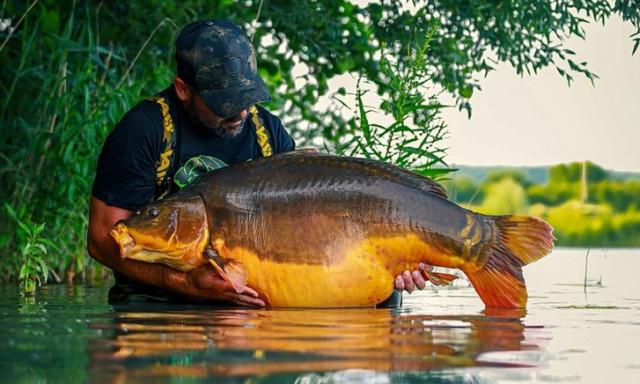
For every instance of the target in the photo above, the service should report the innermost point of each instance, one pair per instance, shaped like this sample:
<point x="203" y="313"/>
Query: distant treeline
<point x="586" y="204"/>
<point x="535" y="174"/>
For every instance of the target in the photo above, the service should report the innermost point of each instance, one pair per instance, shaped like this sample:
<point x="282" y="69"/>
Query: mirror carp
<point x="315" y="230"/>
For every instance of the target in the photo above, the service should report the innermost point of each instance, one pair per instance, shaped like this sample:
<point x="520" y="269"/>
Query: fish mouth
<point x="125" y="241"/>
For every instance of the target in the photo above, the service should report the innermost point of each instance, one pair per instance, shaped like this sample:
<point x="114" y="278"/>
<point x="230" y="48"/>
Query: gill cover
<point x="171" y="231"/>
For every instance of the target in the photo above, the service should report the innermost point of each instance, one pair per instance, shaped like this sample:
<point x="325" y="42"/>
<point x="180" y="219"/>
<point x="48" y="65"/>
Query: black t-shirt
<point x="126" y="172"/>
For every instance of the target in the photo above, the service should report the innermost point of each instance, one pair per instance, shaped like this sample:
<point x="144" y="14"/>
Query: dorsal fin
<point x="401" y="175"/>
<point x="426" y="184"/>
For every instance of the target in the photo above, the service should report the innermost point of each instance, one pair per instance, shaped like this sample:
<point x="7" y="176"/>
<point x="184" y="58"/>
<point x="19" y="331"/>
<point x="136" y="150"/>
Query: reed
<point x="61" y="98"/>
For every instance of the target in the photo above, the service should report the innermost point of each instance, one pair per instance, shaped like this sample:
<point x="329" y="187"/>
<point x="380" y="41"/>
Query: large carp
<point x="314" y="230"/>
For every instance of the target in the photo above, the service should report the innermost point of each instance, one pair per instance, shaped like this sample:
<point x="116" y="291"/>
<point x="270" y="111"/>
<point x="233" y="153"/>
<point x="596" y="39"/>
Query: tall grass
<point x="61" y="98"/>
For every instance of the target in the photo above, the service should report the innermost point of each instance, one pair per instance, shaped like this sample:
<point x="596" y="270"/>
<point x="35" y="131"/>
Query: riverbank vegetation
<point x="586" y="205"/>
<point x="71" y="69"/>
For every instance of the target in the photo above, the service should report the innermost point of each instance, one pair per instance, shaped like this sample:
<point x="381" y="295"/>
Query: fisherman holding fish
<point x="209" y="117"/>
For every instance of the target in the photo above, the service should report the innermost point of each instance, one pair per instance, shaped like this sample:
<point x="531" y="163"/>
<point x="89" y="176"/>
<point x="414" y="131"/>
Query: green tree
<point x="565" y="183"/>
<point x="577" y="224"/>
<point x="554" y="193"/>
<point x="518" y="176"/>
<point x="506" y="196"/>
<point x="626" y="229"/>
<point x="572" y="172"/>
<point x="621" y="196"/>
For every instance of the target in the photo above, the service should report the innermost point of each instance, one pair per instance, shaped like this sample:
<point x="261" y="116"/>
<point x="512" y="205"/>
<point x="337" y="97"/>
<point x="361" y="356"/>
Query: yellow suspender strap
<point x="262" y="134"/>
<point x="166" y="157"/>
<point x="168" y="138"/>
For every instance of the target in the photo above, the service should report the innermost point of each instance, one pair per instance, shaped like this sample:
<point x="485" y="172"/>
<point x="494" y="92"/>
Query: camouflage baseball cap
<point x="217" y="59"/>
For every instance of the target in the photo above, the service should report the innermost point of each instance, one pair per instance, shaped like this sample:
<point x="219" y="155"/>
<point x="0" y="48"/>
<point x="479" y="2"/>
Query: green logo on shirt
<point x="195" y="167"/>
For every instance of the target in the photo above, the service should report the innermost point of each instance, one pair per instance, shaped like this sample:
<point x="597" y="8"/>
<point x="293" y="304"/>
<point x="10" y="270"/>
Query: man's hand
<point x="409" y="281"/>
<point x="209" y="285"/>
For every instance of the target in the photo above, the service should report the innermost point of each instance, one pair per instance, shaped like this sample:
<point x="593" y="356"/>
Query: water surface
<point x="575" y="330"/>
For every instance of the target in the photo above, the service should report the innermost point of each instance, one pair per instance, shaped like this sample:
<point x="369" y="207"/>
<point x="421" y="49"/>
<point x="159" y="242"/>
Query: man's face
<point x="224" y="127"/>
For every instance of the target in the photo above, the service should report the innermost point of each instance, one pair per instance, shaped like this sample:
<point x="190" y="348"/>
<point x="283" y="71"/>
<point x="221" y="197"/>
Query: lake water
<point x="570" y="333"/>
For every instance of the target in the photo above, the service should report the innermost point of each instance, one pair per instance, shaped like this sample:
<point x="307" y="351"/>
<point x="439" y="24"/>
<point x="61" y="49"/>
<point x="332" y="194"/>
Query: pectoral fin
<point x="439" y="279"/>
<point x="230" y="270"/>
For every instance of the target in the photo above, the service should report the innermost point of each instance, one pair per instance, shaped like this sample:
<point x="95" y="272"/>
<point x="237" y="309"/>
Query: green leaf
<point x="38" y="230"/>
<point x="41" y="247"/>
<point x="48" y="243"/>
<point x="27" y="230"/>
<point x="11" y="212"/>
<point x="466" y="92"/>
<point x="44" y="269"/>
<point x="364" y="121"/>
<point x="422" y="152"/>
<point x="436" y="173"/>
<point x="24" y="272"/>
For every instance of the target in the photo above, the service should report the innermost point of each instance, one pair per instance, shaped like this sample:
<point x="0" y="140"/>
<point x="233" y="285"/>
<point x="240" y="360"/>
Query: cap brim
<point x="230" y="101"/>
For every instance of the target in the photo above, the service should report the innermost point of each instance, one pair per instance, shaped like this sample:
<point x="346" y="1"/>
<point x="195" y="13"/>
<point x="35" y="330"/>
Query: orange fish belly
<point x="363" y="275"/>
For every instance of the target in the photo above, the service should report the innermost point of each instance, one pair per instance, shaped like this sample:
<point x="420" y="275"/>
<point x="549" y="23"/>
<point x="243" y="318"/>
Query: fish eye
<point x="153" y="211"/>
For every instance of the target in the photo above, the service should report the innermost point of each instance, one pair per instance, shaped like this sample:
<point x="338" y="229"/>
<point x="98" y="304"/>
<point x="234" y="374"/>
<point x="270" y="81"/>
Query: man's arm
<point x="201" y="283"/>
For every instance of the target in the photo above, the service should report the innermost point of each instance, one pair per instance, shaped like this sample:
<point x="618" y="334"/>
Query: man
<point x="208" y="117"/>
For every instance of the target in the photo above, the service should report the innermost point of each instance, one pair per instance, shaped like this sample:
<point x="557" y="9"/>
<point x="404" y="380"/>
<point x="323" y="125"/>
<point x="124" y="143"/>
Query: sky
<point x="540" y="120"/>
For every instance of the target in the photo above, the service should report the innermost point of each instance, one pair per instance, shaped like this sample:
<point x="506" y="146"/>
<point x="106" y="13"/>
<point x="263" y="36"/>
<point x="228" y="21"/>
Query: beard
<point x="225" y="128"/>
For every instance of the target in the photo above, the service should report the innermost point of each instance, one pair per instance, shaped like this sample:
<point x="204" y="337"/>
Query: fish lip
<point x="123" y="239"/>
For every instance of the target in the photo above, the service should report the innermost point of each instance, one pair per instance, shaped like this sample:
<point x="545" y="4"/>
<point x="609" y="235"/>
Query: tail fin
<point x="519" y="240"/>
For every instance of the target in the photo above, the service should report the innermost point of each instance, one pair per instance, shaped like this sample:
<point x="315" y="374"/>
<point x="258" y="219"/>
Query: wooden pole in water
<point x="586" y="267"/>
<point x="584" y="188"/>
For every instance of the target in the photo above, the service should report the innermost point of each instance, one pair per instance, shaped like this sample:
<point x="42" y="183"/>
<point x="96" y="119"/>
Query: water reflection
<point x="571" y="333"/>
<point x="243" y="342"/>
